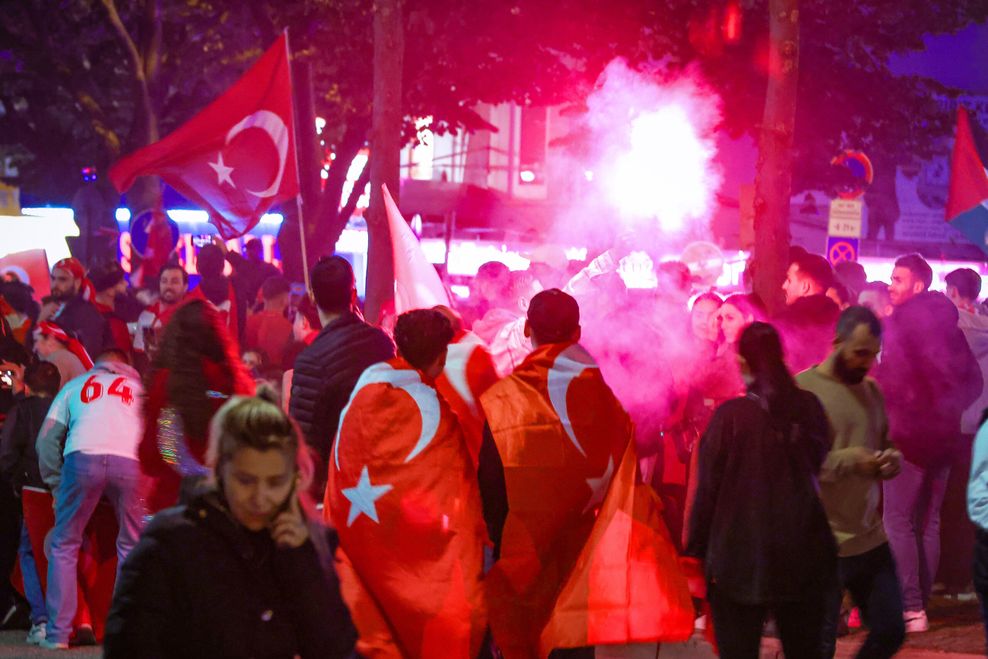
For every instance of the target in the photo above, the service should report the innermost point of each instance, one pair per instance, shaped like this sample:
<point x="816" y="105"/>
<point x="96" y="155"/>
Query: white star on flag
<point x="599" y="485"/>
<point x="222" y="171"/>
<point x="363" y="496"/>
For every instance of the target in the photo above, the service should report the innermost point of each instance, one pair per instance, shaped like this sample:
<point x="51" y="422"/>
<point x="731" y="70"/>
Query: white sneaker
<point x="37" y="634"/>
<point x="916" y="621"/>
<point x="47" y="644"/>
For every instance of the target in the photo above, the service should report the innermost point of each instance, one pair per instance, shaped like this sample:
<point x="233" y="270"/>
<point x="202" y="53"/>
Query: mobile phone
<point x="7" y="378"/>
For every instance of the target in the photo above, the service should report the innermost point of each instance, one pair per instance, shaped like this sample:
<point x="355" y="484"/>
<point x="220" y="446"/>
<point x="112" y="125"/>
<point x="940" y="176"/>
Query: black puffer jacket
<point x="929" y="376"/>
<point x="325" y="374"/>
<point x="199" y="585"/>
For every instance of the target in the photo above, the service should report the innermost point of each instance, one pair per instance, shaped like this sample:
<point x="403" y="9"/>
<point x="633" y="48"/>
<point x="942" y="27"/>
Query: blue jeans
<point x="85" y="479"/>
<point x="871" y="579"/>
<point x="912" y="521"/>
<point x="32" y="580"/>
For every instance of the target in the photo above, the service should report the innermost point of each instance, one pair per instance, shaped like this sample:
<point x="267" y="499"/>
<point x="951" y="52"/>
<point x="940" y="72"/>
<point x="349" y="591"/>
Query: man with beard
<point x="861" y="456"/>
<point x="173" y="284"/>
<point x="77" y="313"/>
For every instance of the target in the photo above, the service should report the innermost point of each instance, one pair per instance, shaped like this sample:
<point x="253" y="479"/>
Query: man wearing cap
<point x="109" y="284"/>
<point x="76" y="313"/>
<point x="558" y="481"/>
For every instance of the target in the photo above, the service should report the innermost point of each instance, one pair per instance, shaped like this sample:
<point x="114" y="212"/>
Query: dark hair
<point x="308" y="310"/>
<point x="254" y="244"/>
<point x="841" y="290"/>
<point x="709" y="296"/>
<point x="553" y="316"/>
<point x="816" y="268"/>
<point x="749" y="305"/>
<point x="173" y="266"/>
<point x="106" y="275"/>
<point x="773" y="384"/>
<point x="333" y="284"/>
<point x="851" y="317"/>
<point x="195" y="334"/>
<point x="210" y="261"/>
<point x="275" y="286"/>
<point x="852" y="274"/>
<point x="966" y="281"/>
<point x="422" y="335"/>
<point x="113" y="354"/>
<point x="42" y="378"/>
<point x="917" y="265"/>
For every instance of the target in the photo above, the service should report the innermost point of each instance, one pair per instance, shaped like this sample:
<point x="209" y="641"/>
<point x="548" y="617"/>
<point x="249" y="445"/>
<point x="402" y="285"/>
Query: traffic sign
<point x="139" y="232"/>
<point x="845" y="218"/>
<point x="841" y="249"/>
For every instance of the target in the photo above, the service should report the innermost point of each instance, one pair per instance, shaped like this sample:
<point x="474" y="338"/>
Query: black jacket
<point x="757" y="519"/>
<point x="89" y="326"/>
<point x="325" y="374"/>
<point x="929" y="376"/>
<point x="199" y="585"/>
<point x="18" y="458"/>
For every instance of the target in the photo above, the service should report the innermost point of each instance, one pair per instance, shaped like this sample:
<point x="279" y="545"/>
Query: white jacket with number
<point x="97" y="413"/>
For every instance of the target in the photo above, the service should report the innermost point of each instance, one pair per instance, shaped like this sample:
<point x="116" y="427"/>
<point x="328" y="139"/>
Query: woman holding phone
<point x="235" y="572"/>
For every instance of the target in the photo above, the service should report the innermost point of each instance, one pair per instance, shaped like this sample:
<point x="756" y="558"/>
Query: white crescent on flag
<point x="425" y="398"/>
<point x="276" y="129"/>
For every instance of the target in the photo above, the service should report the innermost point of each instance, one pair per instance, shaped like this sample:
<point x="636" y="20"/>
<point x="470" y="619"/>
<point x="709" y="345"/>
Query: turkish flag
<point x="31" y="268"/>
<point x="417" y="284"/>
<point x="585" y="557"/>
<point x="236" y="158"/>
<point x="404" y="497"/>
<point x="469" y="372"/>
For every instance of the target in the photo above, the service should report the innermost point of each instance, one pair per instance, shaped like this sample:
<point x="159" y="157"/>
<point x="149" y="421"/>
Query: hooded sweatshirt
<point x="929" y="377"/>
<point x="975" y="329"/>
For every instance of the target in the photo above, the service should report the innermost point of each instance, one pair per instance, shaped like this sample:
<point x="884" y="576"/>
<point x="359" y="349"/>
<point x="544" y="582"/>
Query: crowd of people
<point x="288" y="480"/>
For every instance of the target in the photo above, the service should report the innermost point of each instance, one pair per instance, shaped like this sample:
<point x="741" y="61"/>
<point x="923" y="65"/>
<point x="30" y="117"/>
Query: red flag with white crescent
<point x="469" y="372"/>
<point x="404" y="498"/>
<point x="236" y="158"/>
<point x="580" y="526"/>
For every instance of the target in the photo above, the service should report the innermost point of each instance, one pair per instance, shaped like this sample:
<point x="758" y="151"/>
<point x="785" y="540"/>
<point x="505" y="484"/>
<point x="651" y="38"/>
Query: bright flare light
<point x="664" y="175"/>
<point x="655" y="160"/>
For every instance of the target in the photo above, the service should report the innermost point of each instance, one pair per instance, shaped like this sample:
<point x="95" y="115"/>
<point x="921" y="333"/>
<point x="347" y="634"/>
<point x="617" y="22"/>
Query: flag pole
<point x="298" y="173"/>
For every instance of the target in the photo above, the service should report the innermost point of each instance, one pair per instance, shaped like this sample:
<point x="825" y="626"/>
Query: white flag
<point x="417" y="284"/>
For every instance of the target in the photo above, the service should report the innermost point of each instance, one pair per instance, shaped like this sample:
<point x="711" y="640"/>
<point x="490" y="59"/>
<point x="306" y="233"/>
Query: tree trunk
<point x="773" y="183"/>
<point x="386" y="150"/>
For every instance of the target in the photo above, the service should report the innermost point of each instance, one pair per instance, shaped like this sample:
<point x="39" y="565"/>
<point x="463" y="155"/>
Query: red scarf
<point x="71" y="344"/>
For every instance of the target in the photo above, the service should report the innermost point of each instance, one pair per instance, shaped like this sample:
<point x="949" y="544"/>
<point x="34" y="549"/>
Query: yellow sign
<point x="845" y="218"/>
<point x="10" y="199"/>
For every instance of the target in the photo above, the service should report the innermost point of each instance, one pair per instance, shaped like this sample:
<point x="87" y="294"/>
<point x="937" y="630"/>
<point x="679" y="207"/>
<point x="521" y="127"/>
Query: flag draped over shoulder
<point x="469" y="372"/>
<point x="585" y="557"/>
<point x="967" y="201"/>
<point x="236" y="158"/>
<point x="404" y="498"/>
<point x="417" y="284"/>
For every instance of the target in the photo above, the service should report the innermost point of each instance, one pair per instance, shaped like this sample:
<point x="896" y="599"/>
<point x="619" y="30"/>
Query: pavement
<point x="956" y="632"/>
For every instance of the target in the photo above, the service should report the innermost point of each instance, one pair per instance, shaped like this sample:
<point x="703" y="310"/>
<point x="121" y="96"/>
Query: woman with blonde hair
<point x="235" y="572"/>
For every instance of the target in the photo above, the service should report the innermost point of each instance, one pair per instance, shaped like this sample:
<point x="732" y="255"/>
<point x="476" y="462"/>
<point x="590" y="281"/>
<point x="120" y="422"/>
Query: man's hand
<point x="867" y="464"/>
<point x="889" y="463"/>
<point x="218" y="241"/>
